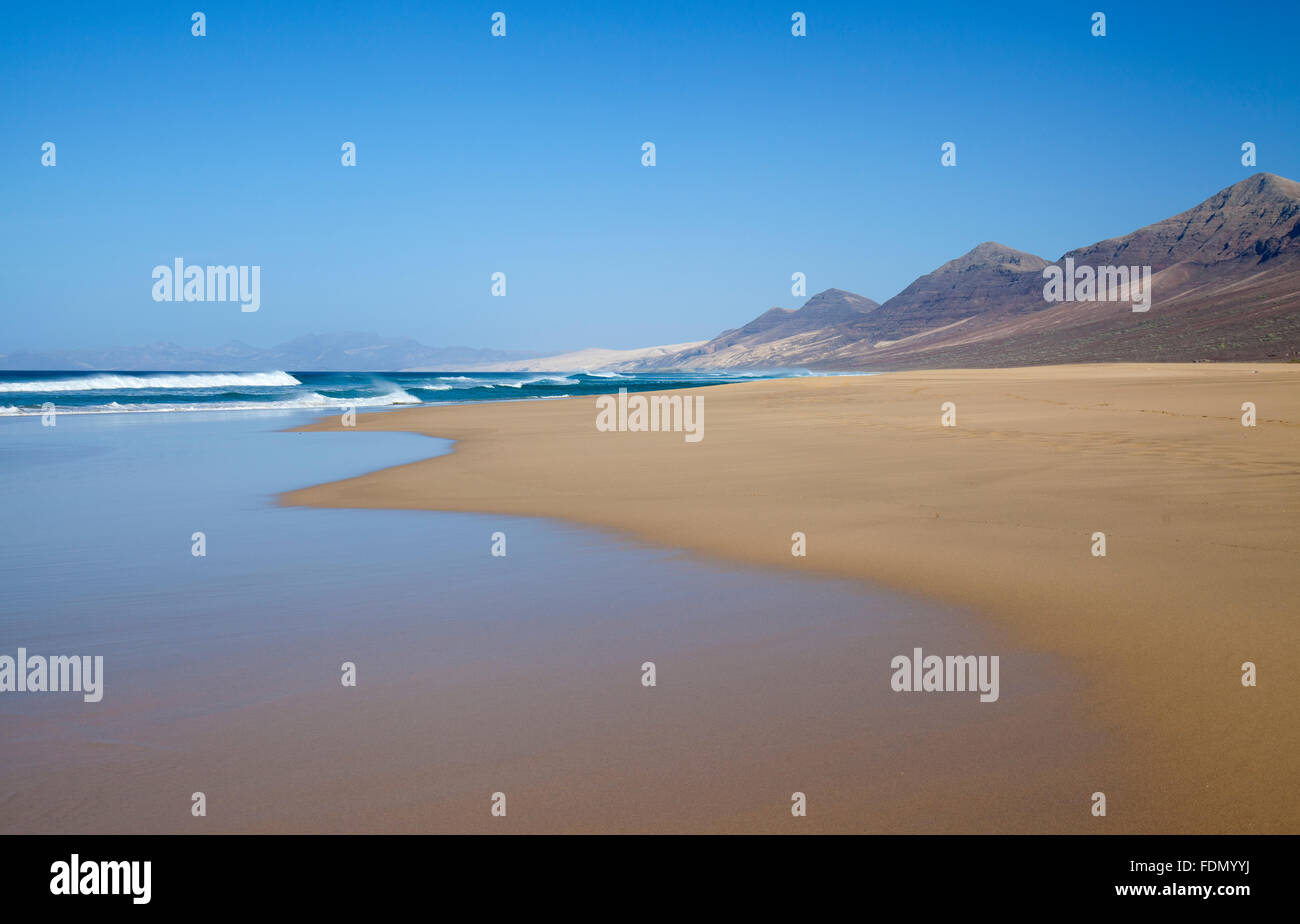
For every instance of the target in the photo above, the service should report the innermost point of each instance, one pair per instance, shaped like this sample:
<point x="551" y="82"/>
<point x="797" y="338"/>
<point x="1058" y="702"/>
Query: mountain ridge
<point x="1225" y="284"/>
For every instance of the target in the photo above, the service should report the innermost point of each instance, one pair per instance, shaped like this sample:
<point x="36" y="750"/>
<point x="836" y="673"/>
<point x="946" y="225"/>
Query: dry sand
<point x="1202" y="571"/>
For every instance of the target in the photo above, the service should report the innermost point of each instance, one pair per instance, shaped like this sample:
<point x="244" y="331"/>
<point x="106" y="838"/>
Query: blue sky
<point x="522" y="154"/>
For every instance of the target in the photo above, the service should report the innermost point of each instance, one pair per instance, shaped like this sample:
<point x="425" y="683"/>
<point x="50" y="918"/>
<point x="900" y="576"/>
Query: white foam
<point x="495" y="383"/>
<point x="111" y="382"/>
<point x="553" y="379"/>
<point x="397" y="396"/>
<point x="306" y="401"/>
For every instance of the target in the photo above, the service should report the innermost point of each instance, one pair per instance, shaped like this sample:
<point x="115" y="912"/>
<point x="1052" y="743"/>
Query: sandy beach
<point x="996" y="516"/>
<point x="476" y="674"/>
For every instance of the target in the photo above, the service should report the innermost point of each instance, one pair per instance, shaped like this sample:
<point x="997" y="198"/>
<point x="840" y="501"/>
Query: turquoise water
<point x="155" y="392"/>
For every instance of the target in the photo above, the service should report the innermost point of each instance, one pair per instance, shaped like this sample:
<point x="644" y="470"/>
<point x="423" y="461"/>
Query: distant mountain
<point x="781" y="332"/>
<point x="1225" y="285"/>
<point x="344" y="352"/>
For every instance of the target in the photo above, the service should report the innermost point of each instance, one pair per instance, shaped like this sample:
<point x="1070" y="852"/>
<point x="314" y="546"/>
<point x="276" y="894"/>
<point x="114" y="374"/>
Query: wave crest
<point x="101" y="381"/>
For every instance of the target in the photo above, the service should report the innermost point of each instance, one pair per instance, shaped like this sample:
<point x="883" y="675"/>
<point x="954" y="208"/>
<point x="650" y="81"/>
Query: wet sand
<point x="475" y="673"/>
<point x="755" y="700"/>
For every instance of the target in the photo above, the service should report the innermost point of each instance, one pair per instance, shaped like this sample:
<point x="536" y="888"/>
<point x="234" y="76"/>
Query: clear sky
<point x="522" y="154"/>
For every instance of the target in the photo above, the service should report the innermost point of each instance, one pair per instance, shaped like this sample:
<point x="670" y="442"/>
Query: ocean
<point x="25" y="393"/>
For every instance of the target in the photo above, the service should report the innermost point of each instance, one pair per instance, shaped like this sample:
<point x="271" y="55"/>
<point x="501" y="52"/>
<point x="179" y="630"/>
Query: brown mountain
<point x="1256" y="218"/>
<point x="1225" y="285"/>
<point x="780" y="331"/>
<point x="990" y="278"/>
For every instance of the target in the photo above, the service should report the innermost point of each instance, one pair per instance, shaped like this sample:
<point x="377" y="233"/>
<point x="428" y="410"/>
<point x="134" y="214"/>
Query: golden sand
<point x="1201" y="517"/>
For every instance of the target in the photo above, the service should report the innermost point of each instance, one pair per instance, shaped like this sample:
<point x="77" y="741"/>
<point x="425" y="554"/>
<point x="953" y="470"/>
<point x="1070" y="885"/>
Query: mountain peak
<point x="992" y="255"/>
<point x="835" y="293"/>
<point x="838" y="300"/>
<point x="1255" y="219"/>
<point x="992" y="248"/>
<point x="1262" y="186"/>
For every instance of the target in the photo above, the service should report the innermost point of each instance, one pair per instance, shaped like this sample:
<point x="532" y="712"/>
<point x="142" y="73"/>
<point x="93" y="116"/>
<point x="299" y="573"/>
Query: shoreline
<point x="994" y="515"/>
<point x="479" y="674"/>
